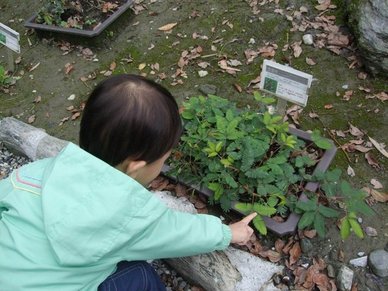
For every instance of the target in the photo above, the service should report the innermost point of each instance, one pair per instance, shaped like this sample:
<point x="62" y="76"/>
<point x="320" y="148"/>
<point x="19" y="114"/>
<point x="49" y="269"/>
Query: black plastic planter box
<point x="30" y="23"/>
<point x="289" y="226"/>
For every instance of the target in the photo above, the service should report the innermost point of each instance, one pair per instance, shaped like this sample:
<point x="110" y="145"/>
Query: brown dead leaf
<point x="350" y="171"/>
<point x="180" y="190"/>
<point x="108" y="6"/>
<point x="321" y="280"/>
<point x="75" y="115"/>
<point x="288" y="246"/>
<point x="378" y="196"/>
<point x="313" y="115"/>
<point x="31" y="119"/>
<point x="112" y="66"/>
<point x="324" y="5"/>
<point x="37" y="99"/>
<point x="367" y="90"/>
<point x="250" y="55"/>
<point x="68" y="68"/>
<point x="376" y="184"/>
<point x="379" y="147"/>
<point x="328" y="106"/>
<point x="237" y="87"/>
<point x="362" y="75"/>
<point x="310" y="233"/>
<point x="63" y="120"/>
<point x="382" y="96"/>
<point x="310" y="61"/>
<point x="297" y="48"/>
<point x="273" y="256"/>
<point x="372" y="161"/>
<point x="224" y="65"/>
<point x="295" y="253"/>
<point x="267" y="51"/>
<point x="279" y="245"/>
<point x="355" y="131"/>
<point x="255" y="81"/>
<point x="348" y="94"/>
<point x="167" y="27"/>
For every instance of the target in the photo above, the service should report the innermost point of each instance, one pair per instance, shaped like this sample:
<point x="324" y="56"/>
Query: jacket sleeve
<point x="160" y="232"/>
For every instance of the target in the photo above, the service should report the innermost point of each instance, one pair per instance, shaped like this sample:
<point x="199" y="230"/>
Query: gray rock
<point x="345" y="278"/>
<point x="369" y="21"/>
<point x="306" y="245"/>
<point x="359" y="262"/>
<point x="378" y="262"/>
<point x="308" y="39"/>
<point x="330" y="271"/>
<point x="208" y="89"/>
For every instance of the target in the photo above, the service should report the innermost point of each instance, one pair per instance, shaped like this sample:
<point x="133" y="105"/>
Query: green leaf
<point x="320" y="141"/>
<point x="334" y="175"/>
<point x="319" y="224"/>
<point x="345" y="228"/>
<point x="306" y="219"/>
<point x="244" y="207"/>
<point x="356" y="227"/>
<point x="264" y="210"/>
<point x="327" y="212"/>
<point x="217" y="189"/>
<point x="259" y="224"/>
<point x="308" y="205"/>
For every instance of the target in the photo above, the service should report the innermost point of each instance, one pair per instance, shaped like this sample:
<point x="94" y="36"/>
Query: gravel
<point x="173" y="282"/>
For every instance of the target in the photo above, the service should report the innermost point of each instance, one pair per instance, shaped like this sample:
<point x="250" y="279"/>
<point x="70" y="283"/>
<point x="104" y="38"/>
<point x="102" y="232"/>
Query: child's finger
<point x="248" y="219"/>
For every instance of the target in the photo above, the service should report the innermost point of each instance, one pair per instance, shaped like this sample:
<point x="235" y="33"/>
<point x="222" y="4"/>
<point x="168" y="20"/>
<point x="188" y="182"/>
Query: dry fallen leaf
<point x="376" y="184"/>
<point x="297" y="48"/>
<point x="142" y="66"/>
<point x="328" y="106"/>
<point x="362" y="75"/>
<point x="68" y="68"/>
<point x="237" y="87"/>
<point x="310" y="61"/>
<point x="379" y="147"/>
<point x="347" y="95"/>
<point x="168" y="26"/>
<point x="350" y="171"/>
<point x="378" y="196"/>
<point x="31" y="119"/>
<point x="355" y="131"/>
<point x="112" y="66"/>
<point x="37" y="99"/>
<point x="372" y="161"/>
<point x="273" y="256"/>
<point x="295" y="253"/>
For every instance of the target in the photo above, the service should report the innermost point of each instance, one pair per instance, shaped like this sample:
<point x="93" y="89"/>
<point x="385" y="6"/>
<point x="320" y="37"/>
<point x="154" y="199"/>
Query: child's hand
<point x="241" y="232"/>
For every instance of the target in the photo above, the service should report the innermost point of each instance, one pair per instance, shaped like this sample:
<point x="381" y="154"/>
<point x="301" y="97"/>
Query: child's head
<point x="130" y="117"/>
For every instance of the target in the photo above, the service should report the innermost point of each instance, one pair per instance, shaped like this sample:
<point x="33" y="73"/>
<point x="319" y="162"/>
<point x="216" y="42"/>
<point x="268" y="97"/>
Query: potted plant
<point x="81" y="17"/>
<point x="250" y="160"/>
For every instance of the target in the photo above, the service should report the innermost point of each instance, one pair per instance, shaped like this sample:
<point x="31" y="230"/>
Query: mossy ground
<point x="229" y="26"/>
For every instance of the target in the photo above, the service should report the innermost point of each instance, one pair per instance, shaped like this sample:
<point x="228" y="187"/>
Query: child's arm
<point x="177" y="234"/>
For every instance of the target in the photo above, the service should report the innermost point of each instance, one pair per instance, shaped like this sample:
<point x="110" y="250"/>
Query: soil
<point x="55" y="73"/>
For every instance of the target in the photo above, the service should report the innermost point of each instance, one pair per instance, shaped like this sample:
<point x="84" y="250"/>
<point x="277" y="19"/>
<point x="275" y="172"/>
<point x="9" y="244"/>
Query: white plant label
<point x="10" y="38"/>
<point x="285" y="82"/>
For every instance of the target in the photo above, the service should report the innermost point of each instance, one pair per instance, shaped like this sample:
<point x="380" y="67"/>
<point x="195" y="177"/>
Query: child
<point x="84" y="220"/>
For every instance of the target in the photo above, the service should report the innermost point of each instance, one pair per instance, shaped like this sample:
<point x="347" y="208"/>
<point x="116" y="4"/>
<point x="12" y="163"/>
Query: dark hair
<point x="129" y="116"/>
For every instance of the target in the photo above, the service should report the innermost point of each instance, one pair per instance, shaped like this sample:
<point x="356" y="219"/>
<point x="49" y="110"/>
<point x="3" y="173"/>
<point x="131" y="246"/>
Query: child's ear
<point x="132" y="167"/>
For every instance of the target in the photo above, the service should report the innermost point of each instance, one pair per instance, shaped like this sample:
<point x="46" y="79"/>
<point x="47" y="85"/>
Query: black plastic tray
<point x="30" y="23"/>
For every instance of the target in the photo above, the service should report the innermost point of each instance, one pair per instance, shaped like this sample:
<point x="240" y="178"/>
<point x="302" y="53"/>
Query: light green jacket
<point x="66" y="221"/>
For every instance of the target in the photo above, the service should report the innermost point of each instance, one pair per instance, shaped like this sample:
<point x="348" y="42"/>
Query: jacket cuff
<point x="227" y="238"/>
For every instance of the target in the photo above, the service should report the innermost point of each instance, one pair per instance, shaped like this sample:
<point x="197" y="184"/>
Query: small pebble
<point x="308" y="39"/>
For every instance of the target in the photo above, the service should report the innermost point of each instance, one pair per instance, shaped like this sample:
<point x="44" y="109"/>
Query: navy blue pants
<point x="133" y="276"/>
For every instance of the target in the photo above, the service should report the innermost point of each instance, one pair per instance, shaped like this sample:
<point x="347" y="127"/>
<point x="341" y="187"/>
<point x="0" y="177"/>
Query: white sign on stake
<point x="10" y="38"/>
<point x="285" y="82"/>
